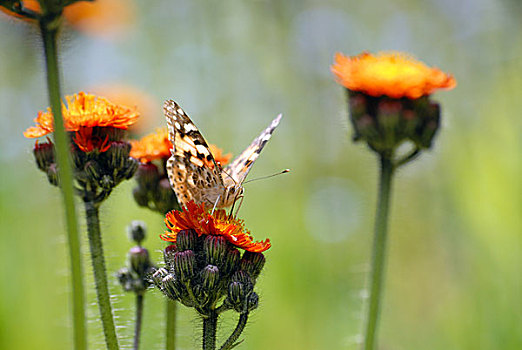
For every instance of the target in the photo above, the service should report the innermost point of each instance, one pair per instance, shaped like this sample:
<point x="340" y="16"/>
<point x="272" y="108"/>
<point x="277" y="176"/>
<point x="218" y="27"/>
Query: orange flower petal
<point x="195" y="217"/>
<point x="392" y="74"/>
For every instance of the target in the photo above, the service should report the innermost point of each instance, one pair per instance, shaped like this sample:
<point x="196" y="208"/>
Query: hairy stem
<point x="171" y="325"/>
<point x="49" y="30"/>
<point x="379" y="252"/>
<point x="100" y="275"/>
<point x="139" y="317"/>
<point x="231" y="341"/>
<point x="209" y="331"/>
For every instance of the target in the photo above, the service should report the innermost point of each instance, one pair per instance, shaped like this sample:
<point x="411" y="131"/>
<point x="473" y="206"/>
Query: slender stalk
<point x="100" y="275"/>
<point x="241" y="323"/>
<point x="379" y="252"/>
<point x="171" y="325"/>
<point x="49" y="31"/>
<point x="209" y="331"/>
<point x="139" y="317"/>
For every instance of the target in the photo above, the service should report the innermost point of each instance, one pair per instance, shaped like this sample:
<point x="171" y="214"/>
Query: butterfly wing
<point x="193" y="173"/>
<point x="236" y="172"/>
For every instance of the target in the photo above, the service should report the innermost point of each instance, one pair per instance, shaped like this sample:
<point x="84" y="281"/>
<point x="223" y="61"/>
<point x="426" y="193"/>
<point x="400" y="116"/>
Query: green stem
<point x="171" y="325"/>
<point x="209" y="331"/>
<point x="379" y="252"/>
<point x="49" y="31"/>
<point x="100" y="275"/>
<point x="139" y="317"/>
<point x="231" y="341"/>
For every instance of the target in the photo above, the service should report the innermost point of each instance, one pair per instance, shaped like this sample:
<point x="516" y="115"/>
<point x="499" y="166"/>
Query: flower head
<point x="194" y="217"/>
<point x="151" y="147"/>
<point x="84" y="114"/>
<point x="157" y="146"/>
<point x="393" y="74"/>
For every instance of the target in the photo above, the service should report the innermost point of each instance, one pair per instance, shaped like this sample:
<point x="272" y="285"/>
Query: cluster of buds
<point x="200" y="272"/>
<point x="384" y="122"/>
<point x="134" y="277"/>
<point x="96" y="171"/>
<point x="153" y="188"/>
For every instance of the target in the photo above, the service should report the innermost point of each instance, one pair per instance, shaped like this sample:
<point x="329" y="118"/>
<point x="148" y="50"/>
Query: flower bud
<point x="117" y="154"/>
<point x="130" y="168"/>
<point x="139" y="260"/>
<point x="168" y="256"/>
<point x="252" y="263"/>
<point x="171" y="287"/>
<point x="252" y="301"/>
<point x="184" y="265"/>
<point x="125" y="278"/>
<point x="164" y="198"/>
<point x="215" y="248"/>
<point x="136" y="231"/>
<point x="44" y="155"/>
<point x="186" y="240"/>
<point x="52" y="174"/>
<point x="140" y="196"/>
<point x="232" y="259"/>
<point x="210" y="277"/>
<point x="235" y="293"/>
<point x="93" y="171"/>
<point x="147" y="176"/>
<point x="158" y="275"/>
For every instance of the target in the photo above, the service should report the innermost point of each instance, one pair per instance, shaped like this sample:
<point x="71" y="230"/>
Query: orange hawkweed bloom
<point x="107" y="18"/>
<point x="82" y="115"/>
<point x="157" y="146"/>
<point x="194" y="217"/>
<point x="30" y="5"/>
<point x="151" y="147"/>
<point x="393" y="74"/>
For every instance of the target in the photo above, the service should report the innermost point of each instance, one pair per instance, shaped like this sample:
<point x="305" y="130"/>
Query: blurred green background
<point x="454" y="274"/>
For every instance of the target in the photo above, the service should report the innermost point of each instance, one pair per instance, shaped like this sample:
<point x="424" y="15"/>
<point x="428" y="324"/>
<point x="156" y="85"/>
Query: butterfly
<point x="192" y="170"/>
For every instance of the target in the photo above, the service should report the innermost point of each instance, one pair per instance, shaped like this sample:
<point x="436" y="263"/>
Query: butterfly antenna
<point x="268" y="176"/>
<point x="239" y="206"/>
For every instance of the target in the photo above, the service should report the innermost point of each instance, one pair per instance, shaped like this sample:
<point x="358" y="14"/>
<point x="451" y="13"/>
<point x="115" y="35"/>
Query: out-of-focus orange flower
<point x="219" y="157"/>
<point x="194" y="217"/>
<point x="107" y="18"/>
<point x="393" y="74"/>
<point x="151" y="147"/>
<point x="157" y="146"/>
<point x="82" y="114"/>
<point x="30" y="5"/>
<point x="127" y="95"/>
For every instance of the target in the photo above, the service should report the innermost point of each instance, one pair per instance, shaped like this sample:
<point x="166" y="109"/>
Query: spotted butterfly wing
<point x="238" y="169"/>
<point x="193" y="172"/>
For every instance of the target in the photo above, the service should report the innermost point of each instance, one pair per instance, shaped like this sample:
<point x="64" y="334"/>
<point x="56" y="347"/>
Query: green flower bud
<point x="252" y="263"/>
<point x="210" y="277"/>
<point x="184" y="265"/>
<point x="137" y="231"/>
<point x="140" y="196"/>
<point x="186" y="240"/>
<point x="232" y="259"/>
<point x="215" y="248"/>
<point x="168" y="256"/>
<point x="44" y="155"/>
<point x="139" y="260"/>
<point x="252" y="301"/>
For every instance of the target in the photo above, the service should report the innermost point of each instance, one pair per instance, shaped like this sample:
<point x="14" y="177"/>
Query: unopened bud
<point x="44" y="155"/>
<point x="168" y="256"/>
<point x="147" y="176"/>
<point x="252" y="263"/>
<point x="136" y="231"/>
<point x="52" y="174"/>
<point x="93" y="171"/>
<point x="184" y="265"/>
<point x="210" y="277"/>
<point x="215" y="248"/>
<point x="118" y="154"/>
<point x="232" y="259"/>
<point x="140" y="196"/>
<point x="186" y="240"/>
<point x="252" y="301"/>
<point x="139" y="260"/>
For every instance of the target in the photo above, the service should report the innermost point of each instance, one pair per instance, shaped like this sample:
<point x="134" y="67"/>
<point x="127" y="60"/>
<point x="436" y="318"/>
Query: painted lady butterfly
<point x="193" y="172"/>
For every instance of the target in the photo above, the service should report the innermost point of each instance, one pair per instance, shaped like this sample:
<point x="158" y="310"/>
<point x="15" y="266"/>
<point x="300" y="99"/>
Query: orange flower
<point x="108" y="18"/>
<point x="151" y="147"/>
<point x="82" y="114"/>
<point x="393" y="74"/>
<point x="157" y="146"/>
<point x="29" y="5"/>
<point x="196" y="218"/>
